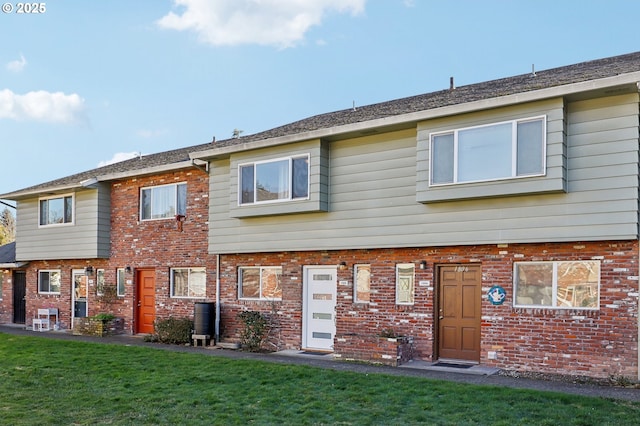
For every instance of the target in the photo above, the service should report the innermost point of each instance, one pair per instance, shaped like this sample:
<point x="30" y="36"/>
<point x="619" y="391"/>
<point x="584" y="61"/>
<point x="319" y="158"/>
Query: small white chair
<point x="41" y="322"/>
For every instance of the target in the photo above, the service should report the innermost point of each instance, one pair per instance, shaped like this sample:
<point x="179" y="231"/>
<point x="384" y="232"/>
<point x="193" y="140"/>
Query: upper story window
<point x="571" y="284"/>
<point x="49" y="281"/>
<point x="490" y="152"/>
<point x="282" y="179"/>
<point x="164" y="201"/>
<point x="56" y="210"/>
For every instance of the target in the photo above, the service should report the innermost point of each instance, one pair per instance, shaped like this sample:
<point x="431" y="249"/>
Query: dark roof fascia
<point x="625" y="82"/>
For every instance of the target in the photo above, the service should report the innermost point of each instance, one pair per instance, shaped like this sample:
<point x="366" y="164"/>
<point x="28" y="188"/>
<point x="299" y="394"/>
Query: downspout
<point x="217" y="321"/>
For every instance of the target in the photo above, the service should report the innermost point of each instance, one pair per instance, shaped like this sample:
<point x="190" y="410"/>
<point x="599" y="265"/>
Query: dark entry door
<point x="459" y="312"/>
<point x="145" y="300"/>
<point x="19" y="297"/>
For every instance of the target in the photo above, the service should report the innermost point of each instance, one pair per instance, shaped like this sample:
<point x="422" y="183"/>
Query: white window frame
<point x="189" y="282"/>
<point x="100" y="282"/>
<point x="241" y="270"/>
<point x="54" y="197"/>
<point x="175" y="201"/>
<point x="514" y="151"/>
<point x="412" y="283"/>
<point x="554" y="286"/>
<point x="289" y="179"/>
<point x="50" y="271"/>
<point x="356" y="270"/>
<point x="121" y="282"/>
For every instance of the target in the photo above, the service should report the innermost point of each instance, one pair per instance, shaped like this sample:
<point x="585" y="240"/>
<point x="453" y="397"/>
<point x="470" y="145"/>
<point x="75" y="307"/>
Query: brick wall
<point x="592" y="343"/>
<point x="6" y="296"/>
<point x="156" y="244"/>
<point x="161" y="244"/>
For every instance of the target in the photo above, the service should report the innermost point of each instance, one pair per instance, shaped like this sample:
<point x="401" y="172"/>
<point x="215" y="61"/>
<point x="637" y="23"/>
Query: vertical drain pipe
<point x="217" y="322"/>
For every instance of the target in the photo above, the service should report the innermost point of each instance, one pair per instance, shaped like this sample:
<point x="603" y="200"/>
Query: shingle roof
<point x="581" y="72"/>
<point x="8" y="253"/>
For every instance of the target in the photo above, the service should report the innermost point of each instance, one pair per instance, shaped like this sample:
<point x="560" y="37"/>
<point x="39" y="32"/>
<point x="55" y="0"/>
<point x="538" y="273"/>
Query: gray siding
<point x="318" y="180"/>
<point x="373" y="203"/>
<point x="87" y="238"/>
<point x="553" y="181"/>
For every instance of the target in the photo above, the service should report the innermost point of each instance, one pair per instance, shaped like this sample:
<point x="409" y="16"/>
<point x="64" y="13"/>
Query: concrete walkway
<point x="477" y="375"/>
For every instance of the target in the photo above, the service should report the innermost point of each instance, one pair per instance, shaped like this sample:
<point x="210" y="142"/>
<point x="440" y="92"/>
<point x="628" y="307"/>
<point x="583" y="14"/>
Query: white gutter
<point x="13" y="265"/>
<point x="217" y="320"/>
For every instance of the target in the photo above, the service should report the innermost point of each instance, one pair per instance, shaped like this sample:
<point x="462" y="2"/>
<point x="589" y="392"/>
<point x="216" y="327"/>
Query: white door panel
<point x="319" y="326"/>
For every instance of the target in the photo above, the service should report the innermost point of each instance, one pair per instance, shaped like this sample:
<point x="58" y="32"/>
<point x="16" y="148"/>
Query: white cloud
<point x="118" y="157"/>
<point x="17" y="65"/>
<point x="281" y="23"/>
<point x="41" y="106"/>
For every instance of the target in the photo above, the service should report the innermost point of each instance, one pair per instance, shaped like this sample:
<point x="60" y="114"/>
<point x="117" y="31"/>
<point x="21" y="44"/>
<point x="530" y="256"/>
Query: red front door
<point x="145" y="300"/>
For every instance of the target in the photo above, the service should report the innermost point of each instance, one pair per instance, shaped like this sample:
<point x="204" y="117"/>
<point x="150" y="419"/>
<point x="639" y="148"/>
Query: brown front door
<point x="145" y="300"/>
<point x="459" y="311"/>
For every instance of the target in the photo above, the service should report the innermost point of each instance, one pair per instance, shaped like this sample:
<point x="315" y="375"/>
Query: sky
<point x="85" y="83"/>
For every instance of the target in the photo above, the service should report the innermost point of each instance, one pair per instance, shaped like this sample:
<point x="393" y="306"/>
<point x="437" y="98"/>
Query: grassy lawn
<point x="45" y="381"/>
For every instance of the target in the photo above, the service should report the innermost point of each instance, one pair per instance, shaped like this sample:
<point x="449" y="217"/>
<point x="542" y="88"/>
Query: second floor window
<point x="164" y="201"/>
<point x="282" y="179"/>
<point x="496" y="151"/>
<point x="56" y="210"/>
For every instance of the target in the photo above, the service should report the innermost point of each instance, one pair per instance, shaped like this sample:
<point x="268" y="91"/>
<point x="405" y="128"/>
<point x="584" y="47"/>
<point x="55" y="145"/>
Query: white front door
<point x="319" y="307"/>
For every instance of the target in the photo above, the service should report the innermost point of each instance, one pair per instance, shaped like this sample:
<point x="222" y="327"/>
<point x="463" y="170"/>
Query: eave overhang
<point x="609" y="86"/>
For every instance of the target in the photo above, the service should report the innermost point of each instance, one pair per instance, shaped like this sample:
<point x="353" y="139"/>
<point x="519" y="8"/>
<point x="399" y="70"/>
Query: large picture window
<point x="162" y="202"/>
<point x="189" y="282"/>
<point x="570" y="284"/>
<point x="56" y="210"/>
<point x="405" y="279"/>
<point x="49" y="281"/>
<point x="283" y="179"/>
<point x="496" y="151"/>
<point x="260" y="283"/>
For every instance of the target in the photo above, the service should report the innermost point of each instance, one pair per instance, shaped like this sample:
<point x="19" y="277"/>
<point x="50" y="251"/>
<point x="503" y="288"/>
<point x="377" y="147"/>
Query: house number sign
<point x="496" y="295"/>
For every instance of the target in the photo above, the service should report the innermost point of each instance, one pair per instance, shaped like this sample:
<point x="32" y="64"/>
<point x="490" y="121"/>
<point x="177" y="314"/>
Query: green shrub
<point x="103" y="317"/>
<point x="174" y="331"/>
<point x="254" y="332"/>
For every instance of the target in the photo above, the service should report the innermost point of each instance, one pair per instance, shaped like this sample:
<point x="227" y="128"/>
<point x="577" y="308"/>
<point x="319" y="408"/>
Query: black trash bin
<point x="204" y="318"/>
